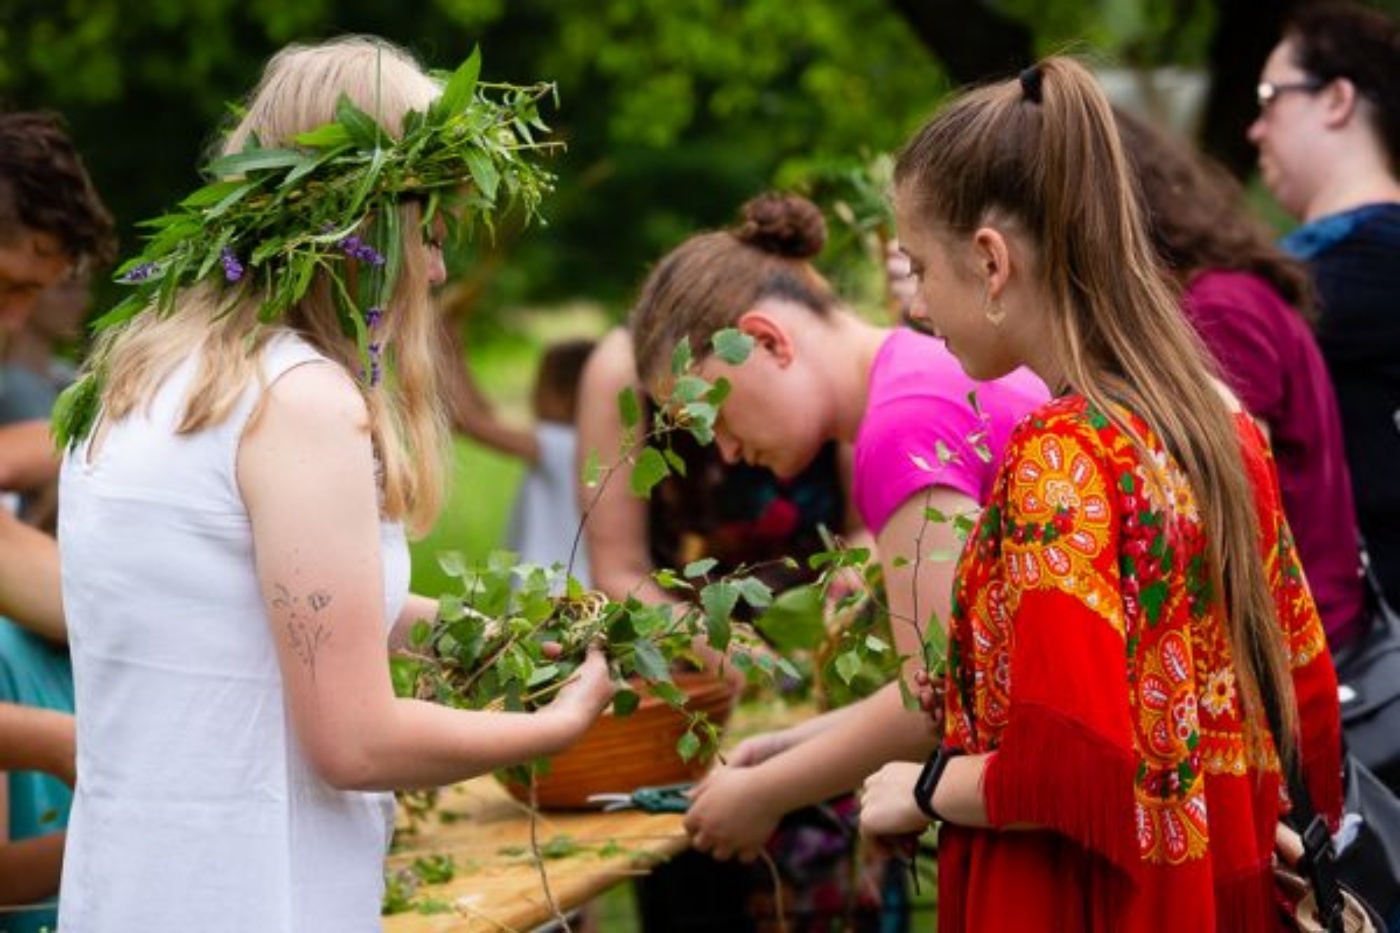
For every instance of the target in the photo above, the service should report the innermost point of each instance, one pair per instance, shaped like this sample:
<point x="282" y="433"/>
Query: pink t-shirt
<point x="920" y="429"/>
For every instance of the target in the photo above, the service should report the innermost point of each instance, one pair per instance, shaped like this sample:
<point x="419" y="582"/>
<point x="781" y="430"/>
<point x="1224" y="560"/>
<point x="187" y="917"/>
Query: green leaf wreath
<point x="270" y="218"/>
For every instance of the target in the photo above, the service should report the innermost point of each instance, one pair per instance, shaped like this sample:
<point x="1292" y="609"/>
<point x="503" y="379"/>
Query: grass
<point x="485" y="482"/>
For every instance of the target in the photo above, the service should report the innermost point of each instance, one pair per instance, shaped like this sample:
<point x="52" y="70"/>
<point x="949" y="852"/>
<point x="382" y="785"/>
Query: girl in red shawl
<point x="1116" y="639"/>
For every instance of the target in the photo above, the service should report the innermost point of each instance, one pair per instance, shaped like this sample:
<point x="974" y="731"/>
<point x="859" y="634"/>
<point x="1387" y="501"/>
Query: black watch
<point x="929" y="777"/>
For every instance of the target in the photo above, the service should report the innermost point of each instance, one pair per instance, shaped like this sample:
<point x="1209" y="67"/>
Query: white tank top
<point x="196" y="809"/>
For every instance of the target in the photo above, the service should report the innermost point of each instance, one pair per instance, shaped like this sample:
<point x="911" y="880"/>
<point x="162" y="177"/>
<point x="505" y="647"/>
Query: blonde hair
<point x="298" y="92"/>
<point x="1044" y="154"/>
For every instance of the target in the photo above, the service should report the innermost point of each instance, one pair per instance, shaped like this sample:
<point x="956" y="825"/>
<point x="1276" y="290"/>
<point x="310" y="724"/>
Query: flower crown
<point x="270" y="218"/>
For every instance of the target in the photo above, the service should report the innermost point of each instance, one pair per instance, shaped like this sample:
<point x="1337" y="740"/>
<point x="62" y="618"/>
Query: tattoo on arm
<point x="306" y="630"/>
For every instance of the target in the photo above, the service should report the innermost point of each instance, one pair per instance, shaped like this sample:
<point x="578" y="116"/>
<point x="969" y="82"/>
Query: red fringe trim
<point x="1051" y="771"/>
<point x="1246" y="903"/>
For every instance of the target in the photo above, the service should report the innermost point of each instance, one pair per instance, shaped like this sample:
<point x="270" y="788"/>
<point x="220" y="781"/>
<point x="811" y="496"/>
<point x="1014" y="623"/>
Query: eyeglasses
<point x="1267" y="92"/>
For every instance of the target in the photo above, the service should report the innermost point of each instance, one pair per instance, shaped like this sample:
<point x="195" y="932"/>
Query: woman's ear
<point x="1341" y="100"/>
<point x="768" y="334"/>
<point x="991" y="260"/>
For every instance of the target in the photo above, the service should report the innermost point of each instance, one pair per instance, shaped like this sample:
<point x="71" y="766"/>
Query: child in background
<point x="546" y="516"/>
<point x="544" y="521"/>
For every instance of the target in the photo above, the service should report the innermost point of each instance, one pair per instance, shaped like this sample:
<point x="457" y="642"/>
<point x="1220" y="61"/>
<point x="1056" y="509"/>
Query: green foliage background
<point x="674" y="111"/>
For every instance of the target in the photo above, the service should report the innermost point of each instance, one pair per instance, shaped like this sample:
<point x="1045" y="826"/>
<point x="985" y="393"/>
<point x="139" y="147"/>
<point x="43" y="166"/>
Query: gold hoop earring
<point x="994" y="311"/>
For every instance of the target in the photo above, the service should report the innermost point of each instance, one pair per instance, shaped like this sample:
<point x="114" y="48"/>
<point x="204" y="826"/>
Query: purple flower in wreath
<point x="356" y="248"/>
<point x="373" y="316"/>
<point x="233" y="269"/>
<point x="139" y="273"/>
<point x="375" y="370"/>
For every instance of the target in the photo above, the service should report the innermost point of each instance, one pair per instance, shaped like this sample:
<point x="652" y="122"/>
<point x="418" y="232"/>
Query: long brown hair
<point x="1042" y="153"/>
<point x="1198" y="219"/>
<point x="706" y="283"/>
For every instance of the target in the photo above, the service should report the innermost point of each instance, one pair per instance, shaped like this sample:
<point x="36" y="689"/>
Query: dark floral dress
<point x="743" y="515"/>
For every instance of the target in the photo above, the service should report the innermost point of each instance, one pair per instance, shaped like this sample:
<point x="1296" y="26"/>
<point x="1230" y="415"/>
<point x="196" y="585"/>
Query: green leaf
<point x="203" y="197"/>
<point x="848" y="665"/>
<point x="252" y="160"/>
<point x="689" y="388"/>
<point x="755" y="592"/>
<point x="649" y="470"/>
<point x="666" y="578"/>
<point x="629" y="409"/>
<point x="419" y="634"/>
<point x="460" y="88"/>
<point x="542" y="674"/>
<point x="625" y="702"/>
<point x="681" y="357"/>
<point x="484" y="173"/>
<point x="676" y="461"/>
<point x="699" y="568"/>
<point x="795" y="620"/>
<point x="732" y="346"/>
<point x="363" y="130"/>
<point x="450" y="607"/>
<point x="688" y="746"/>
<point x="592" y="469"/>
<point x="325" y="136"/>
<point x="452" y="563"/>
<point x="718" y="392"/>
<point x="649" y="661"/>
<point x="719" y="600"/>
<point x="668" y="693"/>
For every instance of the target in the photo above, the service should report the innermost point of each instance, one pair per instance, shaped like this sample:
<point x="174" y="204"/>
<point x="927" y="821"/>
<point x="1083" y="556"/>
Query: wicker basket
<point x="620" y="754"/>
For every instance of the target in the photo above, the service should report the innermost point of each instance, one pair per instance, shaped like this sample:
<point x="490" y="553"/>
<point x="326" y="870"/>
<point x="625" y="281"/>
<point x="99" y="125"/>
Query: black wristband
<point x="929" y="777"/>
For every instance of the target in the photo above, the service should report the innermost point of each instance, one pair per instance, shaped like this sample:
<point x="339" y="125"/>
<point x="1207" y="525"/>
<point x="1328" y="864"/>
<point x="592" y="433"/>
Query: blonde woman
<point x="234" y="561"/>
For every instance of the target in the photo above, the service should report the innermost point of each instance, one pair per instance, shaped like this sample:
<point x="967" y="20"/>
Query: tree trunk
<point x="1245" y="32"/>
<point x="973" y="42"/>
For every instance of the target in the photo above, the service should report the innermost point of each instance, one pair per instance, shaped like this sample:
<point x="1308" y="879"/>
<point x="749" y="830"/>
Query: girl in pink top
<point x="818" y="372"/>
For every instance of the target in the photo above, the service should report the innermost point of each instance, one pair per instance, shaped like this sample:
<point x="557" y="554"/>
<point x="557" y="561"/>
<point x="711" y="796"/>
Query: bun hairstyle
<point x="1040" y="157"/>
<point x="785" y="225"/>
<point x="709" y="281"/>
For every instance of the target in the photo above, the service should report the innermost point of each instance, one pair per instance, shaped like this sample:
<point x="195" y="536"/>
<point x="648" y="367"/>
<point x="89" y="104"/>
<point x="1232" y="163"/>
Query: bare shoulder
<point x="312" y="405"/>
<point x="611" y="362"/>
<point x="313" y="397"/>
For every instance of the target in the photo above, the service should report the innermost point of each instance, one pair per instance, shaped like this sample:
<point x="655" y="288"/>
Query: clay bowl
<point x="621" y="754"/>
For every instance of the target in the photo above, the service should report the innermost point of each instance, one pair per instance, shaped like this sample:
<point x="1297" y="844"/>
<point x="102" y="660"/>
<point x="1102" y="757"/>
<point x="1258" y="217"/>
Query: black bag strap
<point x="1319" y="862"/>
<point x="1378" y="609"/>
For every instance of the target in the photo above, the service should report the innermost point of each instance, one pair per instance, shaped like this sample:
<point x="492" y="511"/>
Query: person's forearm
<point x="417" y="608"/>
<point x="30" y="869"/>
<point x="837" y="759"/>
<point x="30" y="590"/>
<point x="34" y="739"/>
<point x="959" y="798"/>
<point x="28" y="457"/>
<point x="813" y="726"/>
<point x="422" y="744"/>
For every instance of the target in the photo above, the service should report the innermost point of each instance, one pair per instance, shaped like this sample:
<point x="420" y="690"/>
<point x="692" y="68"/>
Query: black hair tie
<point x="1031" y="80"/>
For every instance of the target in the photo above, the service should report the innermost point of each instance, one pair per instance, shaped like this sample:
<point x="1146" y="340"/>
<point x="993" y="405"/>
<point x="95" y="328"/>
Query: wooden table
<point x="497" y="884"/>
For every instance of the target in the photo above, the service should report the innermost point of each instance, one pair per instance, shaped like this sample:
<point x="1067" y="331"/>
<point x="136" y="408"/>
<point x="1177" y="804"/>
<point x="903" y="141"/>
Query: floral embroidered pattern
<point x="1089" y="653"/>
<point x="1079" y="511"/>
<point x="1062" y="525"/>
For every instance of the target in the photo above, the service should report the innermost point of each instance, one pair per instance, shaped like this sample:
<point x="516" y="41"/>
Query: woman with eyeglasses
<point x="1328" y="134"/>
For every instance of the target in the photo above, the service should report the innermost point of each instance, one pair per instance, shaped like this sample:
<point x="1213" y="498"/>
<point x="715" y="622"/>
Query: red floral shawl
<point x="1088" y="654"/>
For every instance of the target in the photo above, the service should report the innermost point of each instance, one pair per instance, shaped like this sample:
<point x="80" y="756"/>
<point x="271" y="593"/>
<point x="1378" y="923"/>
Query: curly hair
<point x="44" y="188"/>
